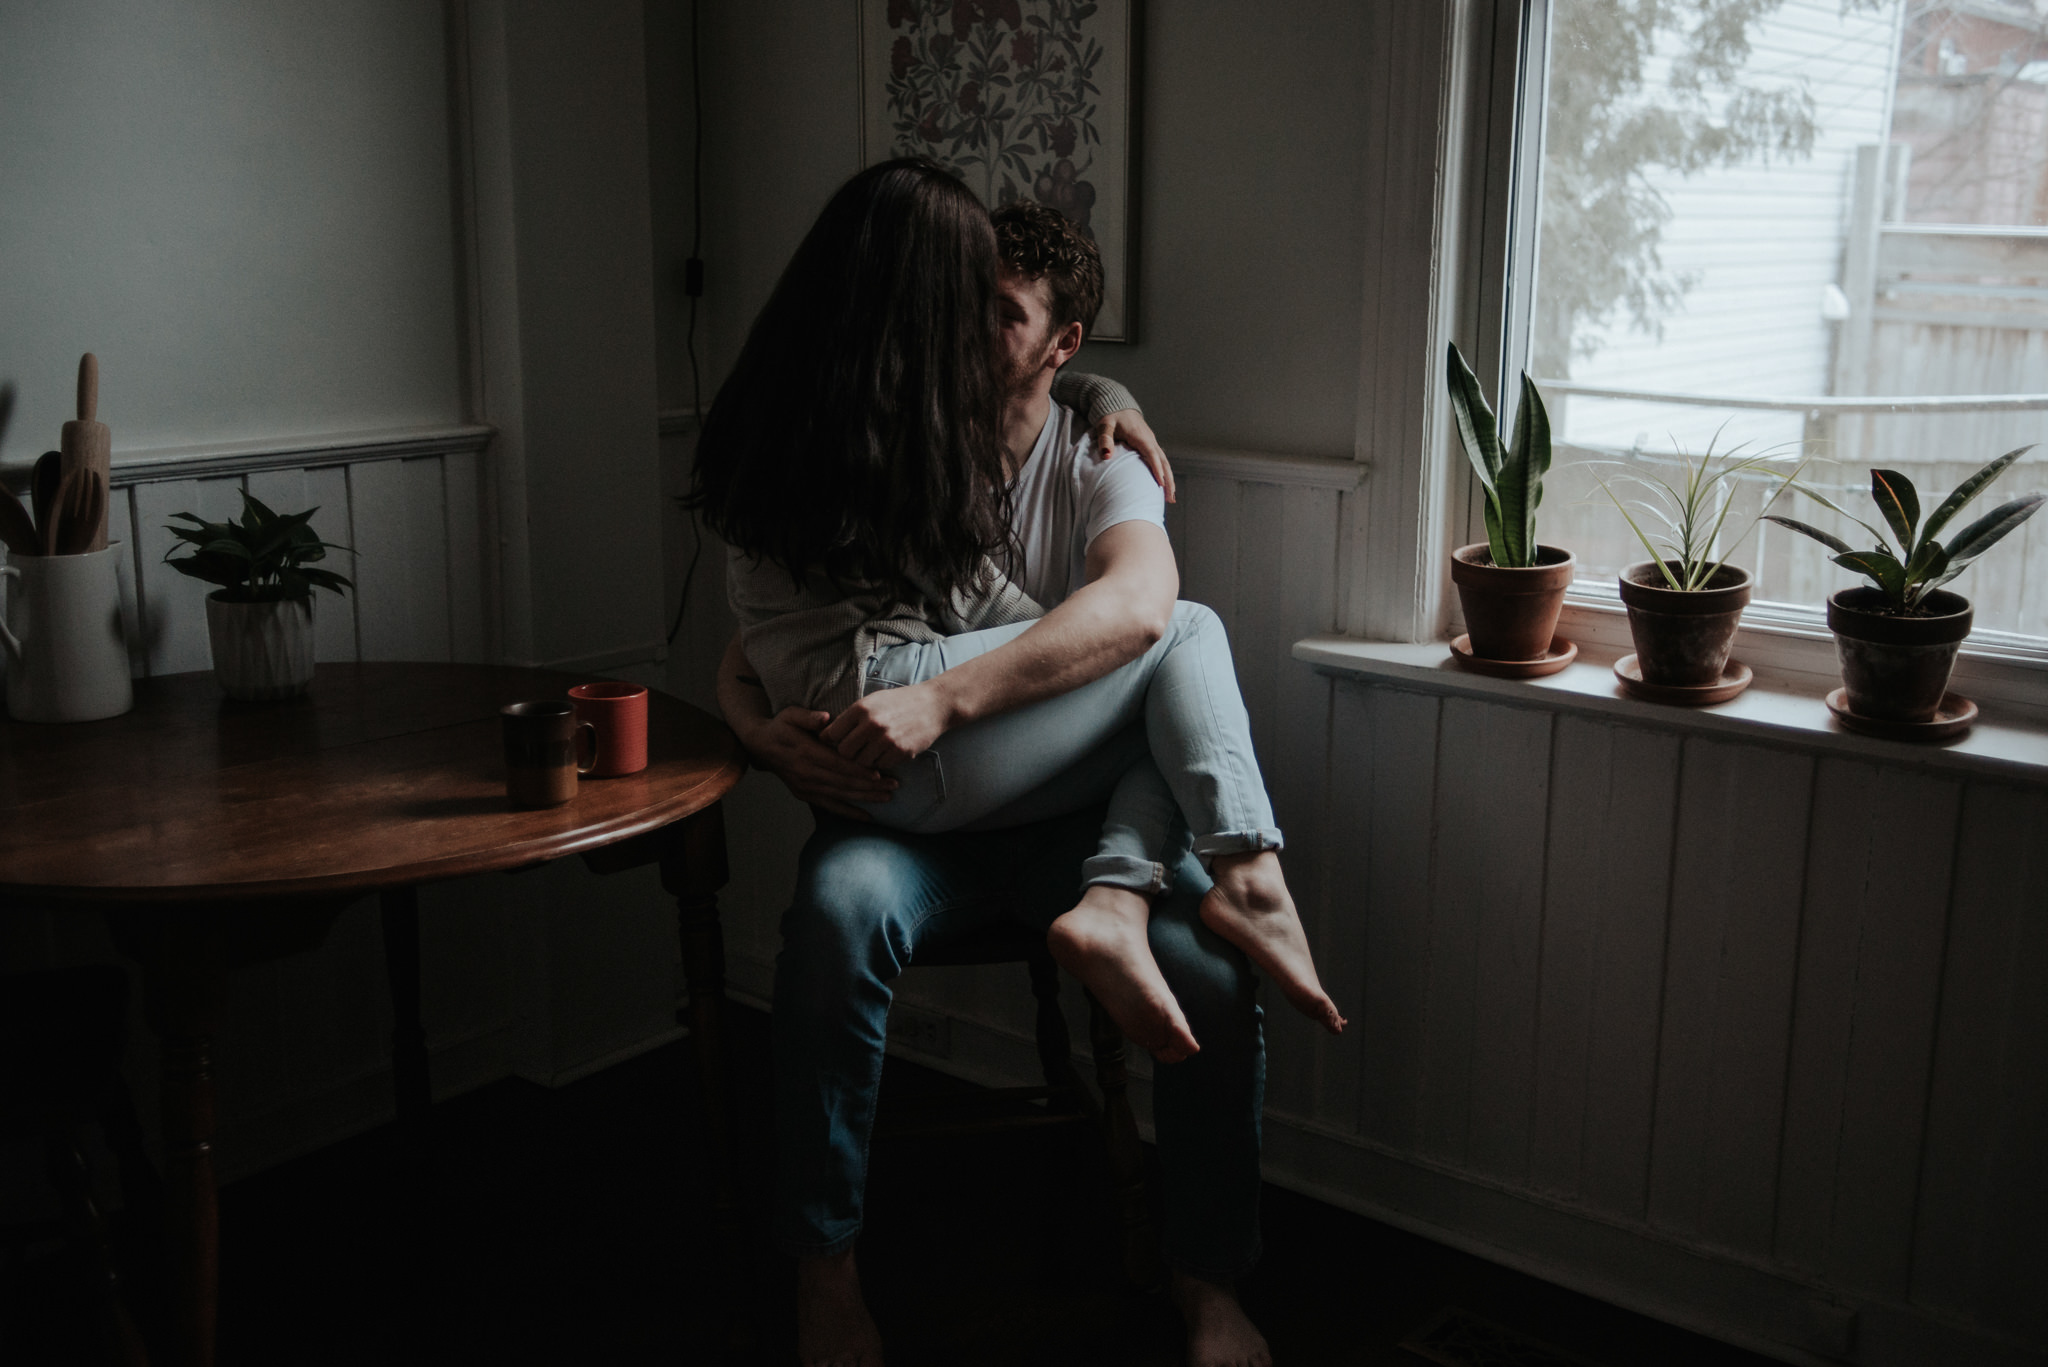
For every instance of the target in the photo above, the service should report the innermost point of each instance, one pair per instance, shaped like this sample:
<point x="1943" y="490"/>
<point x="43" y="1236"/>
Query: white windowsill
<point x="2009" y="740"/>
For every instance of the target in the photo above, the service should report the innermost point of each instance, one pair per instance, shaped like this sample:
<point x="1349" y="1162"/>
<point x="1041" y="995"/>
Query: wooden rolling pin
<point x="87" y="444"/>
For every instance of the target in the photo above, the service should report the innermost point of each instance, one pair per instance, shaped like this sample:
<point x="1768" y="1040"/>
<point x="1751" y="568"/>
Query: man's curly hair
<point x="1040" y="243"/>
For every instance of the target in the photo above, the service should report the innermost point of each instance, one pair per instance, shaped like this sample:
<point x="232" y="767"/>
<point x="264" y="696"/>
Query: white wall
<point x="1249" y="260"/>
<point x="568" y="305"/>
<point x="241" y="207"/>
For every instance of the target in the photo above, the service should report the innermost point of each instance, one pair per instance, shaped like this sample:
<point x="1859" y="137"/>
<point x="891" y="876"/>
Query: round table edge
<point x="365" y="882"/>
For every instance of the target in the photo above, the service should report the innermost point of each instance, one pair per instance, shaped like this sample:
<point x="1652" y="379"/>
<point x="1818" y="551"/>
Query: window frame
<point x="1422" y="500"/>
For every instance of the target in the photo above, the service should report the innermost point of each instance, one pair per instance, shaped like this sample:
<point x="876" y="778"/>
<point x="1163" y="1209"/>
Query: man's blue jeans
<point x="868" y="897"/>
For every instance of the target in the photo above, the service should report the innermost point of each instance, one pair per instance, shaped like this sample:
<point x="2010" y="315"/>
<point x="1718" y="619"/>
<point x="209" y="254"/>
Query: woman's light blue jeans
<point x="1165" y="739"/>
<point x="868" y="899"/>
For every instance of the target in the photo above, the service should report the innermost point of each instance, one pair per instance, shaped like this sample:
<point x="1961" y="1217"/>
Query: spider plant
<point x="1511" y="477"/>
<point x="1921" y="564"/>
<point x="1693" y="509"/>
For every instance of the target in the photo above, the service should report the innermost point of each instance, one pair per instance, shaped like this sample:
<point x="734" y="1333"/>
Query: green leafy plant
<point x="1694" y="509"/>
<point x="1512" y="477"/>
<point x="263" y="558"/>
<point x="1921" y="564"/>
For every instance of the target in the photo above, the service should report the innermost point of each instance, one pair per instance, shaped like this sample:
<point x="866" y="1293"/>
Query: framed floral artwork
<point x="1022" y="99"/>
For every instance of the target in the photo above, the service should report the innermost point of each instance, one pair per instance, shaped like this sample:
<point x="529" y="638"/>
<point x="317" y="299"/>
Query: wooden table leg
<point x="184" y="975"/>
<point x="411" y="1082"/>
<point x="693" y="869"/>
<point x="186" y="951"/>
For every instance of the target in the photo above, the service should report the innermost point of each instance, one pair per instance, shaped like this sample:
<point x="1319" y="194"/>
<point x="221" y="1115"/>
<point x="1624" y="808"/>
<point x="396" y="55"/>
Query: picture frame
<point x="1030" y="98"/>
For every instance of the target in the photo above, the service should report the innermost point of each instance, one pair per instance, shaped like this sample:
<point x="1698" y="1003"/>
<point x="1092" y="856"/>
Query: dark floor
<point x="567" y="1229"/>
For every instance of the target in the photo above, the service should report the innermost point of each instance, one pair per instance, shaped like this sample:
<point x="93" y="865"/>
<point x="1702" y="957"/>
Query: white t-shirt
<point x="1063" y="498"/>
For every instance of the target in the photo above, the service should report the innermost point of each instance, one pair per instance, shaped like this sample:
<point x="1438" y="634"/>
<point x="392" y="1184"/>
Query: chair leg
<point x="1126" y="1154"/>
<point x="120" y="1342"/>
<point x="1055" y="1045"/>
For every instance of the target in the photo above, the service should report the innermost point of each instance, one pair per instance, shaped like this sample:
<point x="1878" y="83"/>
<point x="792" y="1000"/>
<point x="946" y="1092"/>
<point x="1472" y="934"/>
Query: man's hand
<point x="890" y="725"/>
<point x="787" y="746"/>
<point x="1128" y="426"/>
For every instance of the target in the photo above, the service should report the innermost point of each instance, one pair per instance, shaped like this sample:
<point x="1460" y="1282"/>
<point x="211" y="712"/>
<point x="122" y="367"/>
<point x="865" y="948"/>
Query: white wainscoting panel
<point x="1747" y="1034"/>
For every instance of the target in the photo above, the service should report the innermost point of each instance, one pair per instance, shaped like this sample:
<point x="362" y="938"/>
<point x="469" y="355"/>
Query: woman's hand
<point x="1127" y="425"/>
<point x="787" y="746"/>
<point x="890" y="725"/>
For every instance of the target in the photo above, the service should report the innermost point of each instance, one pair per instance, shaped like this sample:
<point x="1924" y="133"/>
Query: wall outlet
<point x="924" y="1032"/>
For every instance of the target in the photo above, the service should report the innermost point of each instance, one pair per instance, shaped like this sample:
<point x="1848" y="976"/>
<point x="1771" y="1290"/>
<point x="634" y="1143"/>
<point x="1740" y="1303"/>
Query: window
<point x="1813" y="225"/>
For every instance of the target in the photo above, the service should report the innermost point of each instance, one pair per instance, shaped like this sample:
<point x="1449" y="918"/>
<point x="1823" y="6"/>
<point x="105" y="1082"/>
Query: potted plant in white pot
<point x="1897" y="637"/>
<point x="1685" y="602"/>
<point x="260" y="620"/>
<point x="1511" y="588"/>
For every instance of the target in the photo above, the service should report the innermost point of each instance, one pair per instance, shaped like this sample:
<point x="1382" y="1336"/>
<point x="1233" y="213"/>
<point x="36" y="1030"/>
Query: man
<point x="867" y="897"/>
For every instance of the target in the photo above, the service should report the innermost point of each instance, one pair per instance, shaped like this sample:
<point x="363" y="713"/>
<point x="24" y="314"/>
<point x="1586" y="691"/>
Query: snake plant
<point x="1921" y="564"/>
<point x="1513" y="476"/>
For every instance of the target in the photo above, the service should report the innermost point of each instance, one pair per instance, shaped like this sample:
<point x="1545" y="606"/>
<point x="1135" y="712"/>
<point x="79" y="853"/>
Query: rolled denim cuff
<point x="1226" y="1275"/>
<point x="803" y="1246"/>
<point x="1125" y="871"/>
<point x="1239" y="842"/>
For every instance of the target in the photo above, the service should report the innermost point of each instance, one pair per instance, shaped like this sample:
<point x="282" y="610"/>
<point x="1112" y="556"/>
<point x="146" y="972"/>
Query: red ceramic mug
<point x="618" y="712"/>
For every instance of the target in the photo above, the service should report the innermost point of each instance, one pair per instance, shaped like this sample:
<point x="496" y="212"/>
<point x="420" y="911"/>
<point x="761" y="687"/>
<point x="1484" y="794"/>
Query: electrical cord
<point x="693" y="290"/>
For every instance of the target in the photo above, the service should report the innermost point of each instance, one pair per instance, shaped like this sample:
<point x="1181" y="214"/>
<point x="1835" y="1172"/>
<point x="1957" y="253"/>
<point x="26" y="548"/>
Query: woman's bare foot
<point x="1102" y="942"/>
<point x="833" y="1327"/>
<point x="1219" y="1335"/>
<point x="1251" y="908"/>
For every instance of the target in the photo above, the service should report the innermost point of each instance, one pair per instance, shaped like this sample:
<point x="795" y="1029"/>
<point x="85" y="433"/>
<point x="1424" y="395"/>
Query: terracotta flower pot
<point x="1894" y="667"/>
<point x="1683" y="639"/>
<point x="261" y="651"/>
<point x="1511" y="613"/>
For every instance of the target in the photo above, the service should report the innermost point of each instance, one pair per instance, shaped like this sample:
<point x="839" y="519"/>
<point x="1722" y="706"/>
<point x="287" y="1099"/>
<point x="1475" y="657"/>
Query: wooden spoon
<point x="80" y="508"/>
<point x="42" y="486"/>
<point x="17" y="528"/>
<point x="60" y="510"/>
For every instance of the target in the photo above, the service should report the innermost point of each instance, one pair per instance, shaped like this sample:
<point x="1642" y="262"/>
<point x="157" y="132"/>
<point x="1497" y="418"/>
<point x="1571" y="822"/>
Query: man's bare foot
<point x="1219" y="1335"/>
<point x="1251" y="908"/>
<point x="1102" y="942"/>
<point x="833" y="1327"/>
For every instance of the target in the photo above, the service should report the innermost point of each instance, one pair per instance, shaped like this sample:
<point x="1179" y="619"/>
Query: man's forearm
<point x="1104" y="625"/>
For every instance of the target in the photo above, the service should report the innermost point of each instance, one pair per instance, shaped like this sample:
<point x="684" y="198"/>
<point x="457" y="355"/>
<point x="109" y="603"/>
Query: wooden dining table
<point x="214" y="834"/>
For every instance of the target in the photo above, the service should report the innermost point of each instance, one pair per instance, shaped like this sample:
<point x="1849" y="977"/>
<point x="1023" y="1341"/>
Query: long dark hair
<point x="860" y="432"/>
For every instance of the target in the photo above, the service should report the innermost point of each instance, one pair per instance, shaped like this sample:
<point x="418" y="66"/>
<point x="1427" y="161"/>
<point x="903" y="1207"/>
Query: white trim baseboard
<point x="285" y="453"/>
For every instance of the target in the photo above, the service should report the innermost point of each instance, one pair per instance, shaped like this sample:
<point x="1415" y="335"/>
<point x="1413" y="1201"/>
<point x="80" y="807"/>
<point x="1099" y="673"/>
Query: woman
<point x="854" y="462"/>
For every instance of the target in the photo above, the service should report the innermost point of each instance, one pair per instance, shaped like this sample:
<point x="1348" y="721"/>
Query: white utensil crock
<point x="261" y="651"/>
<point x="66" y="657"/>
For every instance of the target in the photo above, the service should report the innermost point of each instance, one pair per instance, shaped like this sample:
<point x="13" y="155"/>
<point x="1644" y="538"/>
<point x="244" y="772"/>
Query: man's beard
<point x="1024" y="374"/>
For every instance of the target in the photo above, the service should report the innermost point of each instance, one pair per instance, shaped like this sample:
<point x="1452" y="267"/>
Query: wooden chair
<point x="1067" y="1101"/>
<point x="61" y="1036"/>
